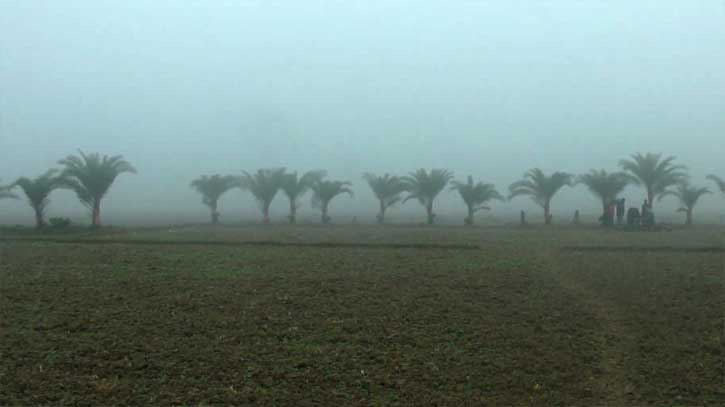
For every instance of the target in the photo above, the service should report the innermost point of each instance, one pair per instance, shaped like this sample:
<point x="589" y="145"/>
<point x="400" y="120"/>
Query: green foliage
<point x="387" y="189"/>
<point x="91" y="177"/>
<point x="475" y="196"/>
<point x="425" y="186"/>
<point x="57" y="223"/>
<point x="37" y="190"/>
<point x="325" y="191"/>
<point x="688" y="196"/>
<point x="605" y="186"/>
<point x="264" y="185"/>
<point x="540" y="187"/>
<point x="5" y="192"/>
<point x="654" y="173"/>
<point x="718" y="181"/>
<point x="294" y="187"/>
<point x="212" y="188"/>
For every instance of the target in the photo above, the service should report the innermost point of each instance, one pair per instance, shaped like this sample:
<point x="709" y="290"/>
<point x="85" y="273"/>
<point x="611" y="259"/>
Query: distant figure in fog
<point x="576" y="217"/>
<point x="620" y="211"/>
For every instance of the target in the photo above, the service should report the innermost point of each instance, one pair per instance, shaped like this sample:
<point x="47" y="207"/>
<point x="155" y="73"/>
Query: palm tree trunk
<point x="650" y="198"/>
<point x="96" y="222"/>
<point x="292" y="212"/>
<point x="265" y="213"/>
<point x="471" y="213"/>
<point x="688" y="222"/>
<point x="325" y="219"/>
<point x="39" y="221"/>
<point x="381" y="215"/>
<point x="429" y="212"/>
<point x="547" y="213"/>
<point x="214" y="214"/>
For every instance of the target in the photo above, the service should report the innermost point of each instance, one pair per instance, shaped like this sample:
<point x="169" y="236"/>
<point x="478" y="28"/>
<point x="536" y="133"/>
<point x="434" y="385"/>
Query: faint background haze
<point x="488" y="88"/>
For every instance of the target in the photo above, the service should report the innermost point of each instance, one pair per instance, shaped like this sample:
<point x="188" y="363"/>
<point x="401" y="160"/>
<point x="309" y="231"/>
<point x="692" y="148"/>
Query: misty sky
<point x="488" y="88"/>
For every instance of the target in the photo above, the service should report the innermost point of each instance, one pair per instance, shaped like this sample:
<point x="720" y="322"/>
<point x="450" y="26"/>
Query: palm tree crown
<point x="5" y="192"/>
<point x="475" y="196"/>
<point x="541" y="188"/>
<point x="37" y="190"/>
<point x="212" y="188"/>
<point x="387" y="189"/>
<point x="91" y="177"/>
<point x="325" y="191"/>
<point x="425" y="186"/>
<point x="294" y="187"/>
<point x="264" y="185"/>
<point x="688" y="196"/>
<point x="606" y="186"/>
<point x="718" y="181"/>
<point x="654" y="173"/>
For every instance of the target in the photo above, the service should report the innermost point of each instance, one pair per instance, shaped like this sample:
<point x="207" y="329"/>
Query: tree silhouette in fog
<point x="475" y="196"/>
<point x="294" y="187"/>
<point x="264" y="185"/>
<point x="387" y="190"/>
<point x="324" y="192"/>
<point x="37" y="191"/>
<point x="654" y="173"/>
<point x="541" y="188"/>
<point x="604" y="185"/>
<point x="425" y="186"/>
<point x="688" y="196"/>
<point x="5" y="192"/>
<point x="212" y="188"/>
<point x="91" y="177"/>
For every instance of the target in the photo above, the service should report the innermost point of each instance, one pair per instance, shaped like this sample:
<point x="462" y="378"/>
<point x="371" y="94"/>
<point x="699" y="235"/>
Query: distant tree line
<point x="91" y="176"/>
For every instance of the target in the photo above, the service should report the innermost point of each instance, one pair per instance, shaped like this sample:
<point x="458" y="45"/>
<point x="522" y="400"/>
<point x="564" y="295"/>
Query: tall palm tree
<point x="37" y="190"/>
<point x="5" y="192"/>
<point x="605" y="186"/>
<point x="654" y="173"/>
<point x="294" y="187"/>
<point x="541" y="188"/>
<point x="264" y="185"/>
<point x="425" y="187"/>
<point x="387" y="189"/>
<point x="91" y="177"/>
<point x="324" y="192"/>
<point x="475" y="196"/>
<point x="689" y="196"/>
<point x="718" y="181"/>
<point x="211" y="189"/>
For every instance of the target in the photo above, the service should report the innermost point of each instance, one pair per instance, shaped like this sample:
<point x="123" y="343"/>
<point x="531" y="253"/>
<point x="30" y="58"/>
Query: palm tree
<point x="387" y="189"/>
<point x="91" y="177"/>
<point x="605" y="186"/>
<point x="689" y="196"/>
<point x="211" y="189"/>
<point x="654" y="173"/>
<point x="38" y="190"/>
<point x="719" y="181"/>
<point x="475" y="196"/>
<point x="5" y="192"/>
<point x="324" y="192"/>
<point x="541" y="188"/>
<point x="294" y="187"/>
<point x="264" y="185"/>
<point x="425" y="187"/>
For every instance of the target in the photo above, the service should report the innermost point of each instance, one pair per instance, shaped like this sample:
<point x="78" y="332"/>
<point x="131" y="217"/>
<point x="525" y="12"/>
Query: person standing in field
<point x="620" y="211"/>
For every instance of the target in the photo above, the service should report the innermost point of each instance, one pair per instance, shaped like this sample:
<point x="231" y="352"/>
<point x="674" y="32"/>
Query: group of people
<point x="635" y="217"/>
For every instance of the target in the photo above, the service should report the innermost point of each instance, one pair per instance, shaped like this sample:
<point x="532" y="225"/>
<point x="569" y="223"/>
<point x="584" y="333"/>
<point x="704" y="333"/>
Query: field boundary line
<point x="641" y="249"/>
<point x="248" y="243"/>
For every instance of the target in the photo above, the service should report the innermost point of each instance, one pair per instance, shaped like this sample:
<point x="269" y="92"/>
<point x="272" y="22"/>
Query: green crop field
<point x="363" y="315"/>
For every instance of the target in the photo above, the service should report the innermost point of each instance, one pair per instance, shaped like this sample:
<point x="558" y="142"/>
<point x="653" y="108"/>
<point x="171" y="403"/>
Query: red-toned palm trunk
<point x="96" y="222"/>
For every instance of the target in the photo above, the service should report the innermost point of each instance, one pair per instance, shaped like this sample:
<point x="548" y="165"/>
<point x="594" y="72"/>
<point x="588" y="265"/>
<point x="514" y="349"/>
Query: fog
<point x="484" y="88"/>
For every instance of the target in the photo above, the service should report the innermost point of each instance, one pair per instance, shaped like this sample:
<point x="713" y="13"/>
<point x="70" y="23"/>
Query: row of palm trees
<point x="91" y="176"/>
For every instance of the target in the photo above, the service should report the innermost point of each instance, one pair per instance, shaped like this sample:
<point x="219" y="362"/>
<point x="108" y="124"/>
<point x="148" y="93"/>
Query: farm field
<point x="363" y="315"/>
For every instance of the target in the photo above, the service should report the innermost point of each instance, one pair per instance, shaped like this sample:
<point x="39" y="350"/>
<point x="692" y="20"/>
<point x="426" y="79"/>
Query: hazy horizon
<point x="489" y="89"/>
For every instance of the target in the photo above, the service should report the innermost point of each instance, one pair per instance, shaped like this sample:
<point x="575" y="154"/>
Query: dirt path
<point x="616" y="340"/>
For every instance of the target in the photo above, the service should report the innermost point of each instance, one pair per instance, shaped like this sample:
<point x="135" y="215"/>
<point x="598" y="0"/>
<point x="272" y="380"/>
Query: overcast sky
<point x="488" y="88"/>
